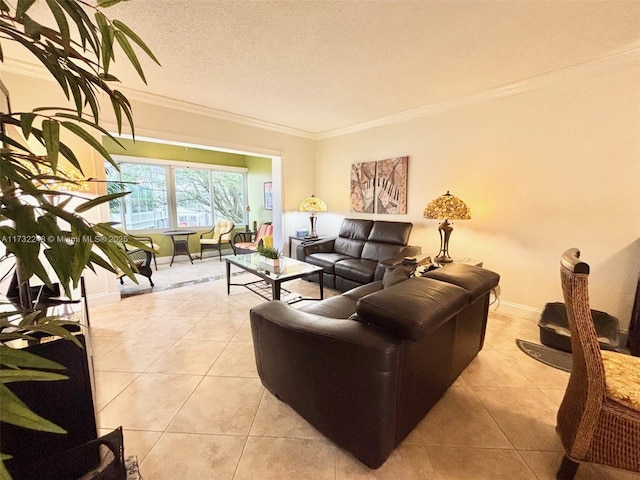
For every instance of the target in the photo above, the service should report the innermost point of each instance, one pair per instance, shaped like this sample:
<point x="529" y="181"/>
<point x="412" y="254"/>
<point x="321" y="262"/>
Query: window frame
<point x="170" y="166"/>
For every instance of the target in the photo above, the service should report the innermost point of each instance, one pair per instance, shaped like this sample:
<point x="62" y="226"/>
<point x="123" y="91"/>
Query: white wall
<point x="542" y="171"/>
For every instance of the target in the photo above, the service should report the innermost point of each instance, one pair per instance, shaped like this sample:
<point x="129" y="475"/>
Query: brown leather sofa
<point x="366" y="366"/>
<point x="360" y="253"/>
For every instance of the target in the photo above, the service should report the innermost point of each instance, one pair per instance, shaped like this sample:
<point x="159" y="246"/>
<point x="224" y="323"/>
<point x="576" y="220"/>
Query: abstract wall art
<point x="380" y="187"/>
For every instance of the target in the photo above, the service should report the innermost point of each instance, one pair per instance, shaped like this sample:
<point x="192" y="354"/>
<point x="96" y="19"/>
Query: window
<point x="164" y="195"/>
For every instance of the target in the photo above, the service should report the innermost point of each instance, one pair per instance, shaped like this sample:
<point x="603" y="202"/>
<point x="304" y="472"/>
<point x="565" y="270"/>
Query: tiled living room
<point x="528" y="111"/>
<point x="181" y="379"/>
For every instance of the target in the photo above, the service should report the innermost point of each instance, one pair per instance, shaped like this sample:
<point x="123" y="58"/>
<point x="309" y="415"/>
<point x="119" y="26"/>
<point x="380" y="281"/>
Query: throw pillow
<point x="393" y="275"/>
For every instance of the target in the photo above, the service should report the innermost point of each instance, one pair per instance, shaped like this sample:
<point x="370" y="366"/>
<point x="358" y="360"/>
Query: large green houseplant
<point x="40" y="230"/>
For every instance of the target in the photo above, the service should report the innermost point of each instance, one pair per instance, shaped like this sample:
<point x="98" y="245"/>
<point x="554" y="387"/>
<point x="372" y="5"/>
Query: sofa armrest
<point x="319" y="246"/>
<point x="341" y="376"/>
<point x="408" y="251"/>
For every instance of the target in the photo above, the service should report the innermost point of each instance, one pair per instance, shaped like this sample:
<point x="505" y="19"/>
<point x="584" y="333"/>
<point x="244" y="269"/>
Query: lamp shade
<point x="313" y="204"/>
<point x="447" y="207"/>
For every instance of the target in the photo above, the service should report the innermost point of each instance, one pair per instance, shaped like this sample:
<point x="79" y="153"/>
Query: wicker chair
<point x="142" y="259"/>
<point x="599" y="418"/>
<point x="150" y="243"/>
<point x="215" y="238"/>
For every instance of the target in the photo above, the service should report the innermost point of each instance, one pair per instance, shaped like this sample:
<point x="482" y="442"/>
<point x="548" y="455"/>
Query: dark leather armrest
<point x="318" y="246"/>
<point x="329" y="331"/>
<point x="301" y="358"/>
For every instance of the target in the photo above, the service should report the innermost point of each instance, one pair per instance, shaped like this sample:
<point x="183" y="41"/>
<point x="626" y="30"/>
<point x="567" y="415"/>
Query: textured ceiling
<point x="317" y="66"/>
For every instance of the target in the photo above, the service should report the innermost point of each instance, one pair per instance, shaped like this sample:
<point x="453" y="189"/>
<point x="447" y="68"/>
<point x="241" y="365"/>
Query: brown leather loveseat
<point x="366" y="366"/>
<point x="360" y="253"/>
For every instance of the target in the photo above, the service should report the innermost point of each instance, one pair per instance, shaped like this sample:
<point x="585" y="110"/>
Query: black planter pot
<point x="67" y="403"/>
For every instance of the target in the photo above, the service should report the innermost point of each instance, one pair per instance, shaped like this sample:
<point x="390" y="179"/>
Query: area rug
<point x="547" y="355"/>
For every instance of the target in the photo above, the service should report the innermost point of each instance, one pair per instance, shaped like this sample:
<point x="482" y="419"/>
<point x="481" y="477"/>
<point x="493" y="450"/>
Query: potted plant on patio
<point x="40" y="230"/>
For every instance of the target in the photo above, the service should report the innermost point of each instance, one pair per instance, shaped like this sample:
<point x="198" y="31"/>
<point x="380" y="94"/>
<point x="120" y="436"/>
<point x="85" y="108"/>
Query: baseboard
<point x="516" y="309"/>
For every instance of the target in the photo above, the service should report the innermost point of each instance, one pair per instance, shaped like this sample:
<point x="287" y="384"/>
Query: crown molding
<point x="188" y="107"/>
<point x="40" y="72"/>
<point x="622" y="59"/>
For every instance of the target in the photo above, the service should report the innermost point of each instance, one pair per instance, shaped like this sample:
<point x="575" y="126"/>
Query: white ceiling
<point x="318" y="66"/>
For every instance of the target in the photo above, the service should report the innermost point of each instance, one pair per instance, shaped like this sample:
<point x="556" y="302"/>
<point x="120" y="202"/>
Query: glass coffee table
<point x="290" y="269"/>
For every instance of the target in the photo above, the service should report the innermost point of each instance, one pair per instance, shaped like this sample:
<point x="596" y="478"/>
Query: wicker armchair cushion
<point x="622" y="373"/>
<point x="221" y="233"/>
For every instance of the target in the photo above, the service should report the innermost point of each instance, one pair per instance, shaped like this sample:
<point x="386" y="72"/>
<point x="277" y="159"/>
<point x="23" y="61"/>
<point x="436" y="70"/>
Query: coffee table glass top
<point x="289" y="268"/>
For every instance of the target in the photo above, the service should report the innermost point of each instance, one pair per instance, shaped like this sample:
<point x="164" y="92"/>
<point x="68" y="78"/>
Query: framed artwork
<point x="268" y="196"/>
<point x="363" y="187"/>
<point x="391" y="185"/>
<point x="379" y="187"/>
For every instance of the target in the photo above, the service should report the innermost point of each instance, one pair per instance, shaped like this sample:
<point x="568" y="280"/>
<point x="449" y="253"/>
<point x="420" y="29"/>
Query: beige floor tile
<point x="139" y="442"/>
<point x="194" y="457"/>
<point x="277" y="419"/>
<point x="452" y="463"/>
<point x="149" y="402"/>
<point x="134" y="355"/>
<point x="286" y="459"/>
<point x="244" y="333"/>
<point x="220" y="405"/>
<point x="189" y="357"/>
<point x="525" y="415"/>
<point x="492" y="369"/>
<point x="406" y="462"/>
<point x="237" y="360"/>
<point x="110" y="384"/>
<point x="460" y="419"/>
<point x="103" y="345"/>
<point x="169" y="326"/>
<point x="544" y="464"/>
<point x="541" y="375"/>
<point x="216" y="328"/>
<point x="556" y="396"/>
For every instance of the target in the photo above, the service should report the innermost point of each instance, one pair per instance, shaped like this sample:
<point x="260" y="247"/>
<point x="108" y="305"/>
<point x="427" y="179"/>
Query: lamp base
<point x="444" y="258"/>
<point x="445" y="230"/>
<point x="313" y="220"/>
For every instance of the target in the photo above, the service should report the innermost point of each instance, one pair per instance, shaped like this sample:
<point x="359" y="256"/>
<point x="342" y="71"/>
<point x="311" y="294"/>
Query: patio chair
<point x="247" y="242"/>
<point x="149" y="242"/>
<point x="142" y="259"/>
<point x="599" y="418"/>
<point x="218" y="236"/>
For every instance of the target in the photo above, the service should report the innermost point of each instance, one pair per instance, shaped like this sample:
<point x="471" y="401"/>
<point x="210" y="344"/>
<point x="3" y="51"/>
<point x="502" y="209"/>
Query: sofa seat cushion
<point x="326" y="260"/>
<point x="359" y="270"/>
<point x="413" y="308"/>
<point x="475" y="280"/>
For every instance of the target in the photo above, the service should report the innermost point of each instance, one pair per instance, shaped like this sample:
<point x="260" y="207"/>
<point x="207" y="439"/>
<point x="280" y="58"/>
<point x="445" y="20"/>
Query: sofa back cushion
<point x="379" y="251"/>
<point x="353" y="233"/>
<point x="413" y="308"/>
<point x="395" y="233"/>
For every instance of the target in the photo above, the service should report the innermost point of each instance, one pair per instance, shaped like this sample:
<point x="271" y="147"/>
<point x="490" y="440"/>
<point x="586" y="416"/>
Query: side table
<point x="180" y="245"/>
<point x="302" y="241"/>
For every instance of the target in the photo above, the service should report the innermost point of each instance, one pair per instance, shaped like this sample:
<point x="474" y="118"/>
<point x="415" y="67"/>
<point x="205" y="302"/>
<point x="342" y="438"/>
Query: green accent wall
<point x="165" y="151"/>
